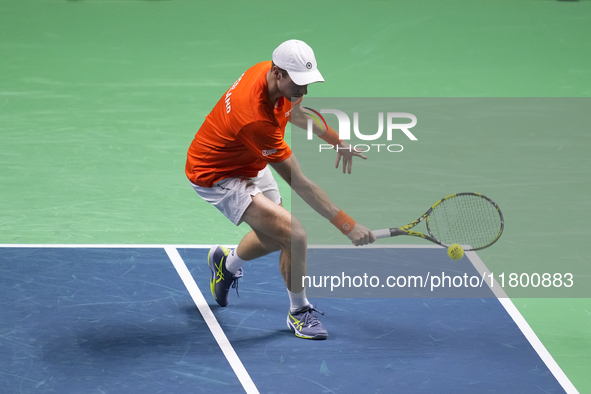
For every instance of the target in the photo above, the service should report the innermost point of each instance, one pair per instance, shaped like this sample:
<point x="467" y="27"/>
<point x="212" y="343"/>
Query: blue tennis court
<point x="121" y="320"/>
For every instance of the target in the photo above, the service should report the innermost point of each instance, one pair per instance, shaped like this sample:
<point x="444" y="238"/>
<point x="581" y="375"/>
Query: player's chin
<point x="293" y="99"/>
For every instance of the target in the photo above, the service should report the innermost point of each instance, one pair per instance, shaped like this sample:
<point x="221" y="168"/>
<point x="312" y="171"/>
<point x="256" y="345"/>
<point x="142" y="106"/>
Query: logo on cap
<point x="309" y="66"/>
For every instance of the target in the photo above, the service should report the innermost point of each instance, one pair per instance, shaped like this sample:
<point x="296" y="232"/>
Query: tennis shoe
<point x="305" y="324"/>
<point x="221" y="278"/>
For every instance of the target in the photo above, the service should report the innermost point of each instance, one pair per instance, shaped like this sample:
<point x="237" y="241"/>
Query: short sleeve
<point x="265" y="141"/>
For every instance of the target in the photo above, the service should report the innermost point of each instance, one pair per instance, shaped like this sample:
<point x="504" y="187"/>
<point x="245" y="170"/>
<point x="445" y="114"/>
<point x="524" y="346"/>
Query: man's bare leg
<point x="275" y="229"/>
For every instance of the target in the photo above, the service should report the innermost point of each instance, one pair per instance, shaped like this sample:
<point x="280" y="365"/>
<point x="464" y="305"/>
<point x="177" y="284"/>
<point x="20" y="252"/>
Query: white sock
<point x="233" y="262"/>
<point x="297" y="300"/>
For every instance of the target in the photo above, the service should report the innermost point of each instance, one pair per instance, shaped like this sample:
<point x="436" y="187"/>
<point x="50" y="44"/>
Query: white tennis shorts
<point x="233" y="195"/>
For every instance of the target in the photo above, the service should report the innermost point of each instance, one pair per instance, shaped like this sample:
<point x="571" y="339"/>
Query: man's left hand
<point x="347" y="153"/>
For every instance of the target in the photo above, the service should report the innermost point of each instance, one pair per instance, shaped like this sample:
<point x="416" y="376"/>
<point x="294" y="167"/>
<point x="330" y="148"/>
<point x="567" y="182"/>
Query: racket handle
<point x="384" y="233"/>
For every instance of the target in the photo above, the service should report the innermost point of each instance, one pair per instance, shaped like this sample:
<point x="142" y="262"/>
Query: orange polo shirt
<point x="242" y="133"/>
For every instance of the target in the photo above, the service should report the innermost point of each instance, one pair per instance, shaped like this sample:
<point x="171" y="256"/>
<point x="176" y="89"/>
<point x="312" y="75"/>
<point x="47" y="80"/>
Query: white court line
<point x="164" y="246"/>
<point x="523" y="326"/>
<point x="211" y="321"/>
<point x="375" y="246"/>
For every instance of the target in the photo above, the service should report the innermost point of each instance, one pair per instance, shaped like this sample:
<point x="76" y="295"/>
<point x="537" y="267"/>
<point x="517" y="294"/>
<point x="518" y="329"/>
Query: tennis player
<point x="228" y="166"/>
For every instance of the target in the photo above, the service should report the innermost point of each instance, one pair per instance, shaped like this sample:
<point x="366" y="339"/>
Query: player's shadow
<point x="116" y="340"/>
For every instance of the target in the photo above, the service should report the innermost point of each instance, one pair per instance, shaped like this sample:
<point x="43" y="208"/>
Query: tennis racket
<point x="463" y="218"/>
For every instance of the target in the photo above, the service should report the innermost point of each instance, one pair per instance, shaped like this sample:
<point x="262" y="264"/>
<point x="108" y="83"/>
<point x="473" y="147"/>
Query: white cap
<point x="297" y="58"/>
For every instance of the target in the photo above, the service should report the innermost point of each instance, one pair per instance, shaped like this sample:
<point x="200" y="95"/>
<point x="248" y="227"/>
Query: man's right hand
<point x="361" y="235"/>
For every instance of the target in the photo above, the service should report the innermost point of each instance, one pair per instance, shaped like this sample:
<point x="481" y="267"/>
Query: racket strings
<point x="467" y="220"/>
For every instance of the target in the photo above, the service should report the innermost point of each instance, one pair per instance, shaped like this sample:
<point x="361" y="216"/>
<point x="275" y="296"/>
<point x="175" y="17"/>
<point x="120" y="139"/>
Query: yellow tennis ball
<point x="455" y="252"/>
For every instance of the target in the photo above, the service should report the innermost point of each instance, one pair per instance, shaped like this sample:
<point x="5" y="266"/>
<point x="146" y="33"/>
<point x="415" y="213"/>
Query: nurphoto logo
<point x="345" y="128"/>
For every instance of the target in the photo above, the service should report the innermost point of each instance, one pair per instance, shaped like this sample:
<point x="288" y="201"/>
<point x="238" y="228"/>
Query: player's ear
<point x="279" y="73"/>
<point x="276" y="72"/>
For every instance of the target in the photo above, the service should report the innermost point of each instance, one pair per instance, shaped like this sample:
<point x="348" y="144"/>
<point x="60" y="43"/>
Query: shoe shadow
<point x="243" y="326"/>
